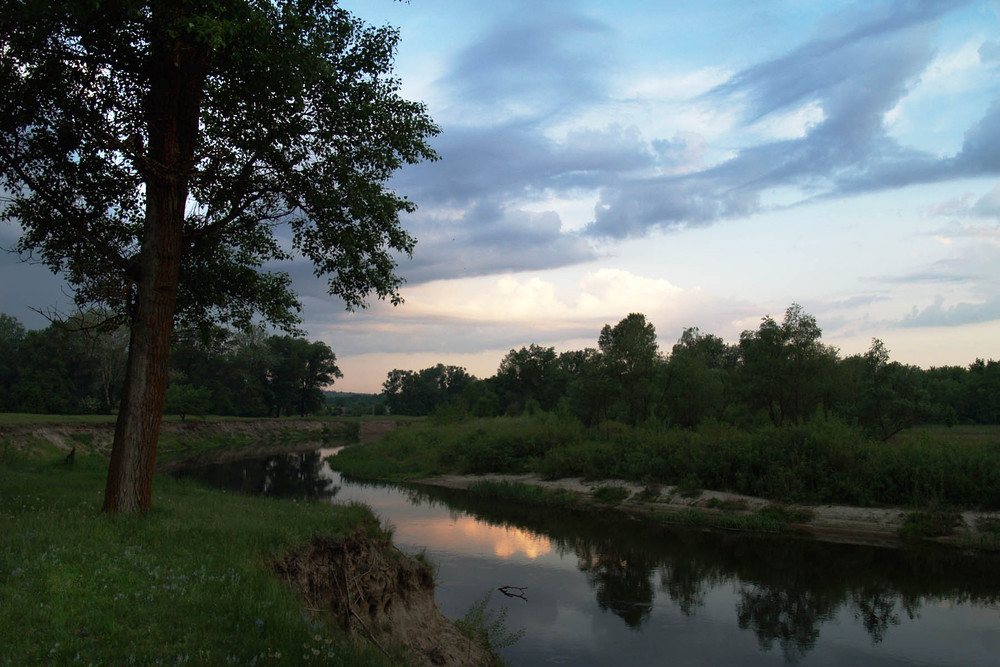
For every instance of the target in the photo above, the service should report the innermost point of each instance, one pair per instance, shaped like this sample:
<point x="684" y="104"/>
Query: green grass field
<point x="190" y="583"/>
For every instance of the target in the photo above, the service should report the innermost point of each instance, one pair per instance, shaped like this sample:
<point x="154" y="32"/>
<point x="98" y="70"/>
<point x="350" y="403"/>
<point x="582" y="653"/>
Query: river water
<point x="603" y="589"/>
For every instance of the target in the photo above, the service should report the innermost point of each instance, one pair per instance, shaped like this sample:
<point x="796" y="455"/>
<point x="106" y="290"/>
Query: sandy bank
<point x="833" y="523"/>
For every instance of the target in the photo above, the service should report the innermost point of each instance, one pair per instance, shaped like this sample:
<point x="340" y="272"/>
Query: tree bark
<point x="177" y="74"/>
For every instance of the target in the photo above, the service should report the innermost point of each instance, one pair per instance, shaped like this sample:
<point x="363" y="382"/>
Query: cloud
<point x="536" y="62"/>
<point x="959" y="314"/>
<point x="487" y="240"/>
<point x="988" y="206"/>
<point x="518" y="160"/>
<point x="967" y="205"/>
<point x="979" y="151"/>
<point x="989" y="52"/>
<point x="834" y="91"/>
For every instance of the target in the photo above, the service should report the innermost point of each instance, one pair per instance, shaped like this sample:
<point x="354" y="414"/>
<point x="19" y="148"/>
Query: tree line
<point x="78" y="367"/>
<point x="780" y="373"/>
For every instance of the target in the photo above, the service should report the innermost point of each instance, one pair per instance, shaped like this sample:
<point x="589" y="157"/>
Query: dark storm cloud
<point x="855" y="75"/>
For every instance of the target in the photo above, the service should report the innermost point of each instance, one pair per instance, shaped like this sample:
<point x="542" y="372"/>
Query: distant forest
<point x="76" y="367"/>
<point x="780" y="373"/>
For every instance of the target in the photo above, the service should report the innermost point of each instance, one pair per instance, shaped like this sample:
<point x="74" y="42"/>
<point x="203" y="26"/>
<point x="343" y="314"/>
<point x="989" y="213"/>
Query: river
<point x="603" y="589"/>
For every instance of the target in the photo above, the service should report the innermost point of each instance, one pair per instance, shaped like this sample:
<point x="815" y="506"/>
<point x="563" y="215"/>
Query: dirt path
<point x="832" y="523"/>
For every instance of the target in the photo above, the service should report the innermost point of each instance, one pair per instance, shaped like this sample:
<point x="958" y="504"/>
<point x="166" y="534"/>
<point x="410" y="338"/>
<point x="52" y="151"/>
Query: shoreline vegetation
<point x="206" y="577"/>
<point x="82" y="583"/>
<point x="822" y="478"/>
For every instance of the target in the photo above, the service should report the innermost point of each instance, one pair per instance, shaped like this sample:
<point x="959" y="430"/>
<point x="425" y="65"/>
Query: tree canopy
<point x="164" y="155"/>
<point x="299" y="126"/>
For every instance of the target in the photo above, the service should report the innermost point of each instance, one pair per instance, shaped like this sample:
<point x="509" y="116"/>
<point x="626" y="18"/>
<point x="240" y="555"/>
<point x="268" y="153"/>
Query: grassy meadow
<point x="820" y="461"/>
<point x="190" y="583"/>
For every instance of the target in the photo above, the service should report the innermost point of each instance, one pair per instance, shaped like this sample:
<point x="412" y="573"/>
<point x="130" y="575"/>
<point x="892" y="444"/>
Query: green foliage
<point x="989" y="524"/>
<point x="786" y="514"/>
<point x="184" y="399"/>
<point x="689" y="487"/>
<point x="488" y="627"/>
<point x="821" y="461"/>
<point x="523" y="494"/>
<point x="297" y="374"/>
<point x="611" y="494"/>
<point x="649" y="493"/>
<point x="528" y="376"/>
<point x="755" y="522"/>
<point x="935" y="521"/>
<point x="726" y="505"/>
<point x="353" y="404"/>
<point x="784" y="369"/>
<point x="298" y="111"/>
<point x="475" y="446"/>
<point x="65" y="369"/>
<point x="420" y="392"/>
<point x="630" y="359"/>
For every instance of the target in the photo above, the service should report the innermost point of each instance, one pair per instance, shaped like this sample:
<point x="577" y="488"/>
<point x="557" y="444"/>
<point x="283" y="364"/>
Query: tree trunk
<point x="177" y="74"/>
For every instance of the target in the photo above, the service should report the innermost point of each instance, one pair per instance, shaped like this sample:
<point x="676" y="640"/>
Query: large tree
<point x="784" y="368"/>
<point x="151" y="152"/>
<point x="631" y="355"/>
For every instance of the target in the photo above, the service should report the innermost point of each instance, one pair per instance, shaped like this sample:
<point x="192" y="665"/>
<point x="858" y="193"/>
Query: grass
<point x="524" y="494"/>
<point x="610" y="494"/>
<point x="935" y="521"/>
<point x="727" y="505"/>
<point x="649" y="493"/>
<point x="189" y="583"/>
<point x="823" y="461"/>
<point x="488" y="626"/>
<point x="21" y="418"/>
<point x="769" y="519"/>
<point x="988" y="537"/>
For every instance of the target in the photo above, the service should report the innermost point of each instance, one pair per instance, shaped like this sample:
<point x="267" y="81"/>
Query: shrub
<point x="610" y="494"/>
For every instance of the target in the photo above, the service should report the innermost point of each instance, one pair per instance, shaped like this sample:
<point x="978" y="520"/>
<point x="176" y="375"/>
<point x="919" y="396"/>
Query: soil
<point x="379" y="595"/>
<point x="831" y="523"/>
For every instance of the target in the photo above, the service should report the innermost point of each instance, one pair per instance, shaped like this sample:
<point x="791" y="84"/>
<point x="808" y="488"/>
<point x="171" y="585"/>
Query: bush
<point x="610" y="494"/>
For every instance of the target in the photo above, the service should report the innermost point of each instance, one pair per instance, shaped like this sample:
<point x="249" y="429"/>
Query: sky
<point x="705" y="163"/>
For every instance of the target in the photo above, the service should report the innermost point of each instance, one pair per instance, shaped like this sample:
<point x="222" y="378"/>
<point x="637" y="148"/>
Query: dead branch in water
<point x="514" y="591"/>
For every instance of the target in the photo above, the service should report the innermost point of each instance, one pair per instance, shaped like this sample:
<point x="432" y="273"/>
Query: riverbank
<point x="207" y="577"/>
<point x="926" y="483"/>
<point x="181" y="442"/>
<point x="878" y="526"/>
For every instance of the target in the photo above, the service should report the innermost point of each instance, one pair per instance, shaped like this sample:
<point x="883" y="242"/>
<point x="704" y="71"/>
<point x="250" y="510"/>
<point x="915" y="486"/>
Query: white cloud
<point x="596" y="297"/>
<point x="793" y="124"/>
<point x="677" y="85"/>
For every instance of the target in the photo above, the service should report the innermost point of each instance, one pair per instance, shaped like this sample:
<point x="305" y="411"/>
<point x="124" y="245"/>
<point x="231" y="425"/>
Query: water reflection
<point x="462" y="533"/>
<point x="698" y="593"/>
<point x="298" y="474"/>
<point x="785" y="590"/>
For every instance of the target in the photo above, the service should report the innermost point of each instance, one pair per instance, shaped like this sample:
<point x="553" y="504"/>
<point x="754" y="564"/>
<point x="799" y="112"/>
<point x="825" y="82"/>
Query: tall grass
<point x="822" y="461"/>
